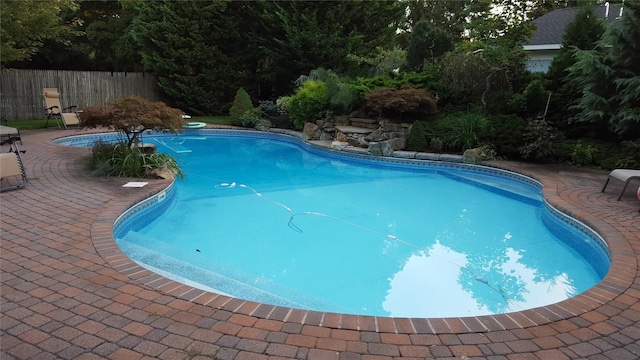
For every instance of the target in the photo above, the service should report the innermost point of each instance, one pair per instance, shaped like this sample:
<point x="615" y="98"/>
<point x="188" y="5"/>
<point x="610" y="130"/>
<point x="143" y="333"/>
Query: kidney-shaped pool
<point x="268" y="218"/>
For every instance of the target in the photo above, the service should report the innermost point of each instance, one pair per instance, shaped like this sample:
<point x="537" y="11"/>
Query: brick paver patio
<point x="69" y="293"/>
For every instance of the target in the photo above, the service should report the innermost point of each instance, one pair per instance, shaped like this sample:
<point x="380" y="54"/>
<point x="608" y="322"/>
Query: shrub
<point x="506" y="134"/>
<point x="250" y="117"/>
<point x="535" y="96"/>
<point x="268" y="108"/>
<point x="538" y="140"/>
<point x="436" y="144"/>
<point x="122" y="160"/>
<point x="309" y="103"/>
<point x="463" y="130"/>
<point x="427" y="79"/>
<point x="417" y="139"/>
<point x="406" y="100"/>
<point x="131" y="116"/>
<point x="241" y="104"/>
<point x="582" y="155"/>
<point x="283" y="104"/>
<point x="343" y="99"/>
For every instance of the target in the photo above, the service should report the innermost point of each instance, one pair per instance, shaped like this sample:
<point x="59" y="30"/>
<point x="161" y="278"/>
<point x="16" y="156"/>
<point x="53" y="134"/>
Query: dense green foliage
<point x="309" y="103"/>
<point x="123" y="160"/>
<point x="609" y="79"/>
<point x="202" y="52"/>
<point x="481" y="72"/>
<point x="300" y="36"/>
<point x="417" y="139"/>
<point x="182" y="43"/>
<point x="28" y="25"/>
<point x="427" y="43"/>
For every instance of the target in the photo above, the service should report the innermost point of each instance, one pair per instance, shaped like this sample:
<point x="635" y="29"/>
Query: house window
<point x="539" y="65"/>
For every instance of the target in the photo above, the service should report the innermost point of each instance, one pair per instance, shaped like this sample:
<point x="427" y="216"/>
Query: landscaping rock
<point x="405" y="154"/>
<point x="310" y="131"/>
<point x="382" y="148"/>
<point x="162" y="173"/>
<point x="427" y="156"/>
<point x="263" y="125"/>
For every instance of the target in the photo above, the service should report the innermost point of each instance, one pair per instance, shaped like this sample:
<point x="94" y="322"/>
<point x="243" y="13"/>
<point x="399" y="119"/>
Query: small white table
<point x="7" y="133"/>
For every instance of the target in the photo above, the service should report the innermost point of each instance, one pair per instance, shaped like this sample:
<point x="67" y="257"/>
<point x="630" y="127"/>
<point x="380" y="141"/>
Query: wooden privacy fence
<point x="21" y="90"/>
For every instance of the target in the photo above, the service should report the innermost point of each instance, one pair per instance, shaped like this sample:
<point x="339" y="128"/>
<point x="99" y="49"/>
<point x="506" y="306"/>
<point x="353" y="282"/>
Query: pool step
<point x="209" y="280"/>
<point x="506" y="187"/>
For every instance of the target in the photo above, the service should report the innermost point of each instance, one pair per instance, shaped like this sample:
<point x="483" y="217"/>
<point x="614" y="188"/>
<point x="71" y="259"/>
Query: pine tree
<point x="583" y="33"/>
<point x="241" y="104"/>
<point x="609" y="77"/>
<point x="427" y="42"/>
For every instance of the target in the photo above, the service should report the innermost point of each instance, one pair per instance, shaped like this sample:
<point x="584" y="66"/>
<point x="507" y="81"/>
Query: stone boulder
<point x="382" y="148"/>
<point x="161" y="173"/>
<point x="311" y="131"/>
<point x="263" y="125"/>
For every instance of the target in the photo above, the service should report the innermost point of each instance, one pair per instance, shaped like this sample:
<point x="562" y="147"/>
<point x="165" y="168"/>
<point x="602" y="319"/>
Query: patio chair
<point x="12" y="174"/>
<point x="624" y="175"/>
<point x="54" y="110"/>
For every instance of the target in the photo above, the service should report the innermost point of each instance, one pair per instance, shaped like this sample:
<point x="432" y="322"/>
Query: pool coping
<point x="618" y="280"/>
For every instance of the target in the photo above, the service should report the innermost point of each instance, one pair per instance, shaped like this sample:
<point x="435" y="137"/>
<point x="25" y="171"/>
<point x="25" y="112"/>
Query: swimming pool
<point x="390" y="237"/>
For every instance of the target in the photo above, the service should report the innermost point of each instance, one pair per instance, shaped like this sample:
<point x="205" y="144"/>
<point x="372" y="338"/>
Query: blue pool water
<point x="270" y="219"/>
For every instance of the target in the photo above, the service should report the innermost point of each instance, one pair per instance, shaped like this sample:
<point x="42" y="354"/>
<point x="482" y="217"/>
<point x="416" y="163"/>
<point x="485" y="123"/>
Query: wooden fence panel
<point x="21" y="90"/>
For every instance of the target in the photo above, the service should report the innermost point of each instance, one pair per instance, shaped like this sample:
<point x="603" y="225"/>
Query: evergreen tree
<point x="195" y="50"/>
<point x="583" y="33"/>
<point x="427" y="42"/>
<point x="241" y="104"/>
<point x="609" y="77"/>
<point x="300" y="36"/>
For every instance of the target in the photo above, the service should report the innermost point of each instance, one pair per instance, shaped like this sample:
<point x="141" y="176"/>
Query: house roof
<point x="552" y="25"/>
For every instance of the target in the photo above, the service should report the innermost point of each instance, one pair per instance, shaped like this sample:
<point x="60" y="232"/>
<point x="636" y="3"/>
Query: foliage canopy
<point x="27" y="25"/>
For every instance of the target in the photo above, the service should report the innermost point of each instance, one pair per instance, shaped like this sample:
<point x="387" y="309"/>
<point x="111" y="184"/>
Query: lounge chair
<point x="54" y="110"/>
<point x="624" y="175"/>
<point x="12" y="174"/>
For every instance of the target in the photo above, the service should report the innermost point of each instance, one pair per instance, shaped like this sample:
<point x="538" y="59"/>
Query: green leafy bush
<point x="343" y="99"/>
<point x="241" y="104"/>
<point x="428" y="79"/>
<point x="417" y="139"/>
<point x="505" y="132"/>
<point x="582" y="155"/>
<point x="283" y="104"/>
<point x="309" y="103"/>
<point x="535" y="96"/>
<point x="463" y="130"/>
<point x="269" y="109"/>
<point x="250" y="117"/>
<point x="122" y="160"/>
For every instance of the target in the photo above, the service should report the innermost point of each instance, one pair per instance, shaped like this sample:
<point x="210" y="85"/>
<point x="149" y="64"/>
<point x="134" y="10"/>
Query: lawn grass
<point x="40" y="123"/>
<point x="29" y="124"/>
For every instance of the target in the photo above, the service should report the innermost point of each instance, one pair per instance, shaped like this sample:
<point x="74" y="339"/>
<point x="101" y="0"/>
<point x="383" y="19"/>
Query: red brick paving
<point x="68" y="292"/>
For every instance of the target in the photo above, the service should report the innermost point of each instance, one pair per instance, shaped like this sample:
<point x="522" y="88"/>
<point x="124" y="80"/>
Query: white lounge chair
<point x="624" y="175"/>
